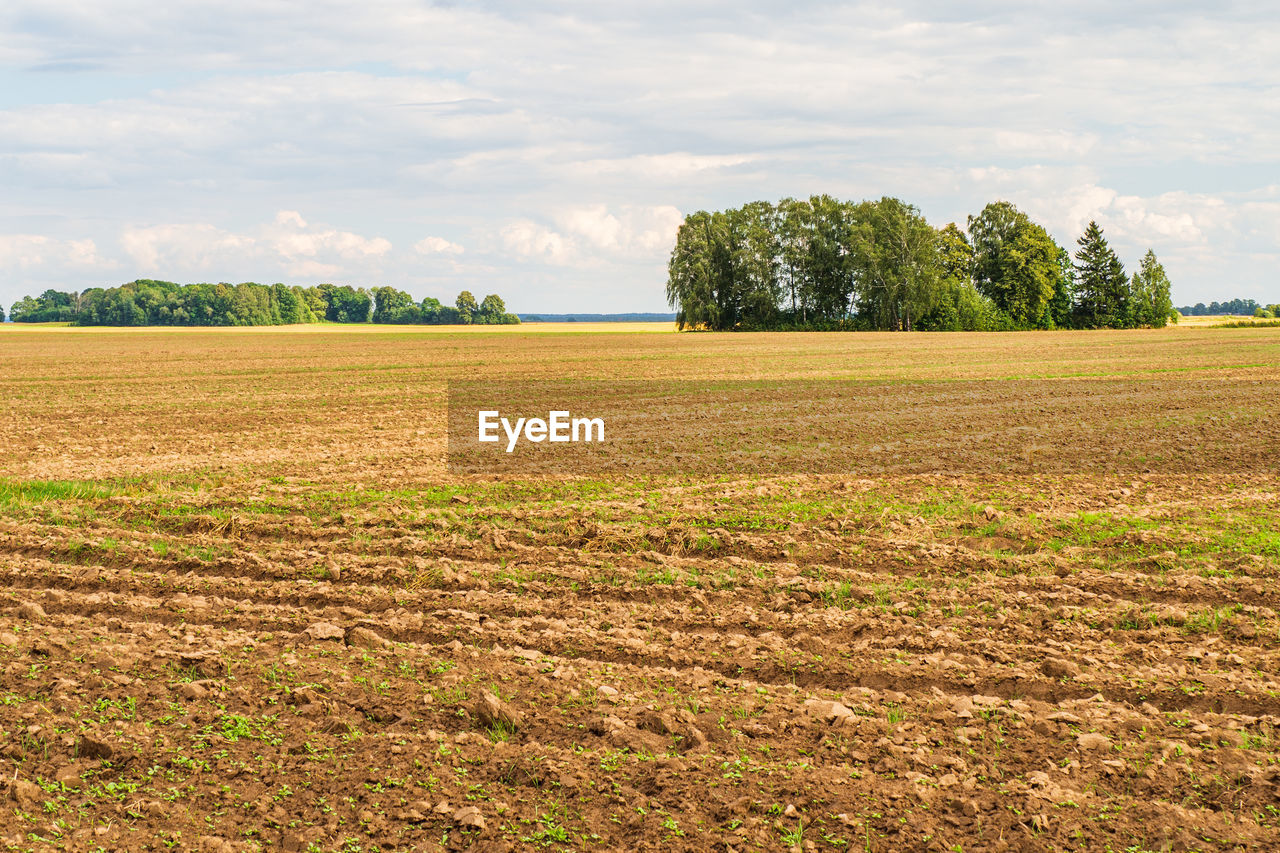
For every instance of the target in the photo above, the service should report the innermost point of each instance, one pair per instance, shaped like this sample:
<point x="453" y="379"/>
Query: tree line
<point x="878" y="265"/>
<point x="163" y="303"/>
<point x="1234" y="307"/>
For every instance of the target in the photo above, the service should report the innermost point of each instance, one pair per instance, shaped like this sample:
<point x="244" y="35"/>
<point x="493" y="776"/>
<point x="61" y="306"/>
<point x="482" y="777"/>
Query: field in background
<point x="1209" y="321"/>
<point x="246" y="607"/>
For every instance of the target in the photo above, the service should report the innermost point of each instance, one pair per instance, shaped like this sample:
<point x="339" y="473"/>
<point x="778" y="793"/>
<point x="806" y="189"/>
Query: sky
<point x="548" y="152"/>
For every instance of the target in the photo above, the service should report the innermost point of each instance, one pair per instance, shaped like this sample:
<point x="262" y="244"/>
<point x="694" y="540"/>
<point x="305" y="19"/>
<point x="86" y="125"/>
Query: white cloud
<point x="193" y="247"/>
<point x="596" y="225"/>
<point x="290" y="217"/>
<point x="679" y="165"/>
<point x="526" y="239"/>
<point x="287" y="244"/>
<point x="593" y="236"/>
<point x="1045" y="143"/>
<point x="437" y="246"/>
<point x="632" y="231"/>
<point x="24" y="251"/>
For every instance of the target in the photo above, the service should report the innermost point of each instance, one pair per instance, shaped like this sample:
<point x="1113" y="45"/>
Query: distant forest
<point x="164" y="303"/>
<point x="878" y="265"/>
<point x="1233" y="307"/>
<point x="632" y="317"/>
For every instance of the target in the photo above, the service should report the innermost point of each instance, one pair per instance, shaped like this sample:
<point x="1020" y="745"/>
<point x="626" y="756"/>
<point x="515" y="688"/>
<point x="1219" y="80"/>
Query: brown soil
<point x="245" y="607"/>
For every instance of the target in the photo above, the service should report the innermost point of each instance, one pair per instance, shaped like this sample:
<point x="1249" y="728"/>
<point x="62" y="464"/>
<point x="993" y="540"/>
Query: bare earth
<point x="246" y="606"/>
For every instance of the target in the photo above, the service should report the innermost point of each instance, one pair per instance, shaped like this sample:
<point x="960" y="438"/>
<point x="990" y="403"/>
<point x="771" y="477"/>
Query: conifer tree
<point x="1102" y="288"/>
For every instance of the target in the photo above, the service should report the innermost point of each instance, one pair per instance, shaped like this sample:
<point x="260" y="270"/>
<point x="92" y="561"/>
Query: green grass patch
<point x="20" y="493"/>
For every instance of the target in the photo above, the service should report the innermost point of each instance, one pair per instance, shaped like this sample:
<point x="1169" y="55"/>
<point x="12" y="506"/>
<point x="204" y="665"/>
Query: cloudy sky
<point x="548" y="151"/>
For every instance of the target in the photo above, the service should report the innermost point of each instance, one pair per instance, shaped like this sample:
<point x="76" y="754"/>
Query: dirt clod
<point x="193" y="691"/>
<point x="33" y="611"/>
<point x="470" y="817"/>
<point x="364" y="638"/>
<point x="322" y="631"/>
<point x="1093" y="742"/>
<point x="1059" y="668"/>
<point x="831" y="712"/>
<point x="95" y="748"/>
<point x="25" y="794"/>
<point x="491" y="712"/>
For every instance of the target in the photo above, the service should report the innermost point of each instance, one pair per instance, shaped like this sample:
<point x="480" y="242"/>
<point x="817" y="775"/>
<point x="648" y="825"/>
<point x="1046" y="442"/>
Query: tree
<point x="19" y="311"/>
<point x="828" y="279"/>
<point x="467" y="307"/>
<point x="896" y="264"/>
<point x="955" y="253"/>
<point x="959" y="307"/>
<point x="346" y="304"/>
<point x="696" y="275"/>
<point x="293" y="306"/>
<point x="1062" y="303"/>
<point x="315" y="300"/>
<point x="394" y="306"/>
<point x="52" y="306"/>
<point x="1" y="313"/>
<point x="1149" y="293"/>
<point x="492" y="309"/>
<point x="793" y="224"/>
<point x="1015" y="262"/>
<point x="1102" y="288"/>
<point x="429" y="309"/>
<point x="753" y="230"/>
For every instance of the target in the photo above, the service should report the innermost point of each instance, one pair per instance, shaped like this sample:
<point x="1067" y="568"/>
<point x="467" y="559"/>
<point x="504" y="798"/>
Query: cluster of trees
<point x="1235" y="307"/>
<point x="396" y="306"/>
<point x="829" y="264"/>
<point x="164" y="303"/>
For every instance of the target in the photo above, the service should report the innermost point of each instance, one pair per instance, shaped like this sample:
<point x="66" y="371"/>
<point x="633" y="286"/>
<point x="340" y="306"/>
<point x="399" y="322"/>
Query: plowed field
<point x="247" y="606"/>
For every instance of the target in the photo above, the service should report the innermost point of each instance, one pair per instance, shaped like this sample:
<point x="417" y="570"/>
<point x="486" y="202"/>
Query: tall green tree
<point x="955" y="253"/>
<point x="429" y="309"/>
<point x="1152" y="305"/>
<point x="959" y="306"/>
<point x="1015" y="262"/>
<point x="794" y="222"/>
<point x="896" y="265"/>
<point x="394" y="306"/>
<point x="492" y="307"/>
<point x="347" y="304"/>
<point x="494" y="311"/>
<point x="1102" y="288"/>
<point x="21" y="309"/>
<point x="466" y="306"/>
<point x="828" y="278"/>
<point x="700" y="275"/>
<point x="755" y="263"/>
<point x="1062" y="303"/>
